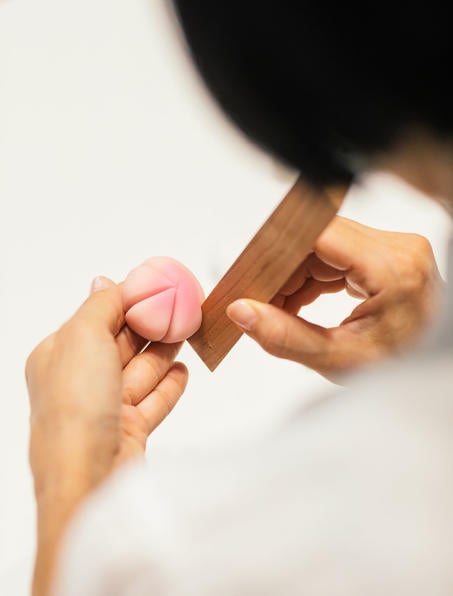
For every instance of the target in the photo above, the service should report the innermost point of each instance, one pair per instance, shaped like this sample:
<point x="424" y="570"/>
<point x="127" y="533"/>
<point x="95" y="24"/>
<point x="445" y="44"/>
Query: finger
<point x="310" y="291"/>
<point x="103" y="309"/>
<point x="355" y="249"/>
<point x="312" y="268"/>
<point x="285" y="335"/>
<point x="129" y="344"/>
<point x="156" y="406"/>
<point x="146" y="370"/>
<point x="345" y="249"/>
<point x="279" y="300"/>
<point x="340" y="242"/>
<point x="278" y="332"/>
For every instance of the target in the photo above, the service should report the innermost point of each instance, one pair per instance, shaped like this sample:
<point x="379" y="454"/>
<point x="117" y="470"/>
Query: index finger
<point x="312" y="268"/>
<point x="357" y="250"/>
<point x="343" y="241"/>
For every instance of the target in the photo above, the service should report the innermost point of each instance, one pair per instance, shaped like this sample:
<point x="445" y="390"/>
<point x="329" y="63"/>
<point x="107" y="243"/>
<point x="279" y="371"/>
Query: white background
<point x="110" y="152"/>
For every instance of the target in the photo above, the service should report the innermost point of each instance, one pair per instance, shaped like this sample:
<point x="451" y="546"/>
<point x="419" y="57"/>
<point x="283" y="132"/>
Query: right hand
<point x="394" y="274"/>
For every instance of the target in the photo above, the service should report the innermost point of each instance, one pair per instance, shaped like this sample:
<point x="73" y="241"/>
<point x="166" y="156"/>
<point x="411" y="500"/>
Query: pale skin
<point x="95" y="399"/>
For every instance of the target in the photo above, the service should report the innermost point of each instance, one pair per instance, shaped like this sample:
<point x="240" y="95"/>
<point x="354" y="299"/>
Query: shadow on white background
<point x="110" y="152"/>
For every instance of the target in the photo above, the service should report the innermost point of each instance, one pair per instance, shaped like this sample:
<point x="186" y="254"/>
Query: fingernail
<point x="241" y="313"/>
<point x="98" y="283"/>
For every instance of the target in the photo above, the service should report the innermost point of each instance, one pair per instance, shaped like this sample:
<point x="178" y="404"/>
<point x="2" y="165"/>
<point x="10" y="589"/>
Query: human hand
<point x="94" y="400"/>
<point x="90" y="378"/>
<point x="394" y="274"/>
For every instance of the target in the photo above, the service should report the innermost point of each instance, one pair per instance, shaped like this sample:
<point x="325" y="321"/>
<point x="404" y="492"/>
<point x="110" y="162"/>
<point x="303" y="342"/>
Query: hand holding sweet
<point x="95" y="396"/>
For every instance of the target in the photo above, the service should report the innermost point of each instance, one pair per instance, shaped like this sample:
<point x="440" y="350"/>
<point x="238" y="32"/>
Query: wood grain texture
<point x="267" y="262"/>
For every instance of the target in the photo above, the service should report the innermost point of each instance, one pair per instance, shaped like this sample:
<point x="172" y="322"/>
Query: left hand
<point x="394" y="274"/>
<point x="94" y="401"/>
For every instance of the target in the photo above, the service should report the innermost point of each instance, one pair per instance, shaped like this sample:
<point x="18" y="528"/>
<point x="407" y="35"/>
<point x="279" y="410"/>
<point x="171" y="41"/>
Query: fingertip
<point x="99" y="283"/>
<point x="180" y="369"/>
<point x="242" y="313"/>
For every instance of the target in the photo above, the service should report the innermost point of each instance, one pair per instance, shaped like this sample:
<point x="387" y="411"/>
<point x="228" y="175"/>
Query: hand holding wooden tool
<point x="267" y="262"/>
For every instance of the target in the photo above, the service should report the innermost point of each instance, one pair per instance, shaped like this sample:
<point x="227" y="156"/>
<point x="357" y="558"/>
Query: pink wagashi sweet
<point x="162" y="300"/>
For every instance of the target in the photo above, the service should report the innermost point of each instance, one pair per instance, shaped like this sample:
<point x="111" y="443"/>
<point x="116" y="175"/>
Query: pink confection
<point x="162" y="300"/>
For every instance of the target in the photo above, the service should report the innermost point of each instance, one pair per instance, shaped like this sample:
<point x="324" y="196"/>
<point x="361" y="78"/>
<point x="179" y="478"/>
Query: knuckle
<point x="421" y="245"/>
<point x="421" y="254"/>
<point x="129" y="394"/>
<point x="153" y="369"/>
<point x="416" y="263"/>
<point x="166" y="401"/>
<point x="38" y="355"/>
<point x="180" y="374"/>
<point x="29" y="366"/>
<point x="181" y="368"/>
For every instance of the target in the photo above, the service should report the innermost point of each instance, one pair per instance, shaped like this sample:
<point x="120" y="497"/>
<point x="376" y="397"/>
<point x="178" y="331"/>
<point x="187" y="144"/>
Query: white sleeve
<point x="109" y="547"/>
<point x="354" y="497"/>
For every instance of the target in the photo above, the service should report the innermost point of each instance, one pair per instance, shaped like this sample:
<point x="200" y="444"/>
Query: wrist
<point x="55" y="507"/>
<point x="59" y="493"/>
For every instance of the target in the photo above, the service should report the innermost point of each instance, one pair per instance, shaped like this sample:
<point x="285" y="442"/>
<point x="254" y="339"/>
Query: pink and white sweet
<point x="162" y="300"/>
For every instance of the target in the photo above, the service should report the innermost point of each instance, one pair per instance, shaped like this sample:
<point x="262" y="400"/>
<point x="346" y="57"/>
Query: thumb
<point x="103" y="309"/>
<point x="100" y="283"/>
<point x="285" y="335"/>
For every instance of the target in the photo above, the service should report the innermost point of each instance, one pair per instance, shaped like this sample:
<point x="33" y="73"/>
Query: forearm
<point x="53" y="515"/>
<point x="72" y="472"/>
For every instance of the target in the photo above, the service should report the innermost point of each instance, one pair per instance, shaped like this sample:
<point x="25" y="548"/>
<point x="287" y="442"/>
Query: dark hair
<point x="320" y="84"/>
